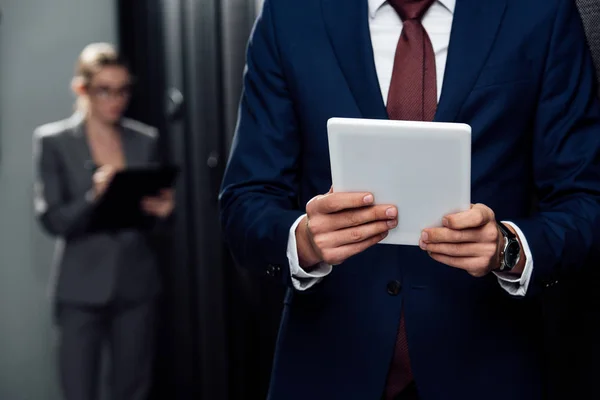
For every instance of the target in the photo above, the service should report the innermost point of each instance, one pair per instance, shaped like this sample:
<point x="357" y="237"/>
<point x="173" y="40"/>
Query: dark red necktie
<point x="413" y="97"/>
<point x="413" y="90"/>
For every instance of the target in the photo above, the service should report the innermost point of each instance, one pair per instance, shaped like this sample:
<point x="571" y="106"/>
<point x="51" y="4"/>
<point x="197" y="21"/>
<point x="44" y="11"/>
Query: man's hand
<point x="340" y="225"/>
<point x="468" y="240"/>
<point x="160" y="206"/>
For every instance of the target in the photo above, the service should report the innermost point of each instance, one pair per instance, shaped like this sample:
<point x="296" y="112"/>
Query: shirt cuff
<point x="517" y="285"/>
<point x="301" y="279"/>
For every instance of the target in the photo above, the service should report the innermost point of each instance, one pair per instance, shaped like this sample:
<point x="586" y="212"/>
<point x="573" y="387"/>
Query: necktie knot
<point x="411" y="9"/>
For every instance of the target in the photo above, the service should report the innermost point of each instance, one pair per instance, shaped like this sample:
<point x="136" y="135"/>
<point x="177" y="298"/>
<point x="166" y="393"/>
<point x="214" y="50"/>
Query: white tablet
<point x="423" y="168"/>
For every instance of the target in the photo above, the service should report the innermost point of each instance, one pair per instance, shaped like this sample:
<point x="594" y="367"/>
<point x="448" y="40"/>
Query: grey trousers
<point x="127" y="330"/>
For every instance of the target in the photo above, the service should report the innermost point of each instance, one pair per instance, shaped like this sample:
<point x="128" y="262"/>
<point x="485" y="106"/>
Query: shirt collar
<point x="375" y="5"/>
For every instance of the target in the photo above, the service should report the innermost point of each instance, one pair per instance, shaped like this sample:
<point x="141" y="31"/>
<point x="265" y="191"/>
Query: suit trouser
<point x="127" y="329"/>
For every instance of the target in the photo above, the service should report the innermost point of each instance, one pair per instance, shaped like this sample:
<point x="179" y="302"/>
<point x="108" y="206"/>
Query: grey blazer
<point x="91" y="268"/>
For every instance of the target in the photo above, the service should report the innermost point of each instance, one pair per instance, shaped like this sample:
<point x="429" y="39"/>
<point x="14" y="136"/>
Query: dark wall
<point x="572" y="308"/>
<point x="141" y="41"/>
<point x="141" y="33"/>
<point x="219" y="323"/>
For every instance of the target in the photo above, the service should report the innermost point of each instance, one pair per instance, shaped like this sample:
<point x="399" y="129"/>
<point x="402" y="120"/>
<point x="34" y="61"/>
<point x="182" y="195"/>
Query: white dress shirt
<point x="385" y="26"/>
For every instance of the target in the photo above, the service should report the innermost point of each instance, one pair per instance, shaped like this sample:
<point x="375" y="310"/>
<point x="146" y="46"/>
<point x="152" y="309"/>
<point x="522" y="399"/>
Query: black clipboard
<point x="120" y="206"/>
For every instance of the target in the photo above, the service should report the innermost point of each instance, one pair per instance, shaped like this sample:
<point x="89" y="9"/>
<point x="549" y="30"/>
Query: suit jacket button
<point x="273" y="270"/>
<point x="393" y="287"/>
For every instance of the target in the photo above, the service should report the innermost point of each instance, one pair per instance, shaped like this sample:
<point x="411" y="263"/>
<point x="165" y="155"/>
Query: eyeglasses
<point x="106" y="92"/>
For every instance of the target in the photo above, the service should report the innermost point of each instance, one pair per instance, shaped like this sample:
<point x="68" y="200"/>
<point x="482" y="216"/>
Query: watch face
<point x="512" y="253"/>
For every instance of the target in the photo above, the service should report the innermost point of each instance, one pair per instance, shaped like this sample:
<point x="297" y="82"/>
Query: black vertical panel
<point x="141" y="42"/>
<point x="571" y="309"/>
<point x="204" y="141"/>
<point x="182" y="322"/>
<point x="219" y="323"/>
<point x="237" y="19"/>
<point x="151" y="40"/>
<point x="577" y="307"/>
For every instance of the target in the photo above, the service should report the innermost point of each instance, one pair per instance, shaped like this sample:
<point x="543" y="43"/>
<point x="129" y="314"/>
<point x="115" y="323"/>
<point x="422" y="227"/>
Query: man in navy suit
<point x="456" y="317"/>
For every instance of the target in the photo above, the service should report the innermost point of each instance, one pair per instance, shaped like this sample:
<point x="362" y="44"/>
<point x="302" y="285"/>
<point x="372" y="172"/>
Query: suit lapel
<point x="130" y="150"/>
<point x="80" y="142"/>
<point x="474" y="30"/>
<point x="347" y="25"/>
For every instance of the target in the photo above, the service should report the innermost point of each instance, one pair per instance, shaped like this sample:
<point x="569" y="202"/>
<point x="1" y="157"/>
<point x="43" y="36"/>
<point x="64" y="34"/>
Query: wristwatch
<point x="510" y="253"/>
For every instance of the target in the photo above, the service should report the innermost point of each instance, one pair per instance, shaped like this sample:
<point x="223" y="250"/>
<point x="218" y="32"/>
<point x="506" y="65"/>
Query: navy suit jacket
<point x="520" y="73"/>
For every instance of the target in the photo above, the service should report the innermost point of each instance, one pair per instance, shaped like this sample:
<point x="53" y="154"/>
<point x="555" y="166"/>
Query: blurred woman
<point x="107" y="282"/>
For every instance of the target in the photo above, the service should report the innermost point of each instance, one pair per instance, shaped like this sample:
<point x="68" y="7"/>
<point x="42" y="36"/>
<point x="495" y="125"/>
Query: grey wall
<point x="590" y="14"/>
<point x="39" y="43"/>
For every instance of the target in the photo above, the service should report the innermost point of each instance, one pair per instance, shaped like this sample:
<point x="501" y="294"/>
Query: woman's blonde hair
<point x="92" y="59"/>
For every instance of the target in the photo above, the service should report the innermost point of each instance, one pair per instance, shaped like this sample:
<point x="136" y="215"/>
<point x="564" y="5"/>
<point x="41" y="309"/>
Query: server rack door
<point x="150" y="38"/>
<point x="219" y="323"/>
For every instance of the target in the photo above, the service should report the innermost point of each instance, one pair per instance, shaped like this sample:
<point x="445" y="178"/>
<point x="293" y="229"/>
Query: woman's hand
<point x="102" y="178"/>
<point x="160" y="206"/>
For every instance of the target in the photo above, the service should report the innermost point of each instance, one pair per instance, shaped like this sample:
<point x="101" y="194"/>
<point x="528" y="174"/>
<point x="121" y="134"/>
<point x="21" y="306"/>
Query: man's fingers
<point x="338" y="255"/>
<point x="477" y="216"/>
<point x="349" y="218"/>
<point x="352" y="235"/>
<point x="487" y="250"/>
<point x="446" y="235"/>
<point x="486" y="234"/>
<point x="335" y="202"/>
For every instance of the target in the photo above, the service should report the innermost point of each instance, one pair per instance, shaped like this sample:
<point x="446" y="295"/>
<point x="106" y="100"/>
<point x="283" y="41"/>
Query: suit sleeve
<point x="58" y="215"/>
<point x="566" y="156"/>
<point x="260" y="189"/>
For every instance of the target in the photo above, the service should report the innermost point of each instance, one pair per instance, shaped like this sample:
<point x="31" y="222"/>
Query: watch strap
<point x="509" y="238"/>
<point x="505" y="231"/>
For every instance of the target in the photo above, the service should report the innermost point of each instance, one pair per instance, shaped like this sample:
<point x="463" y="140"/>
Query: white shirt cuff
<point x="517" y="285"/>
<point x="301" y="279"/>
